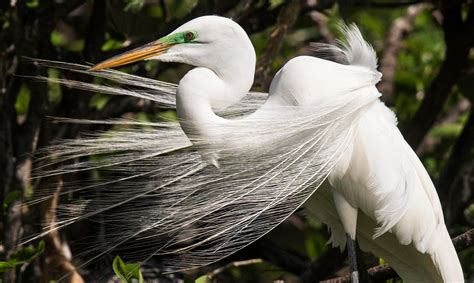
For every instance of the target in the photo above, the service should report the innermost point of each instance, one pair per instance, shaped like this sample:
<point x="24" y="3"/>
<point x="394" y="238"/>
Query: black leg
<point x="351" y="253"/>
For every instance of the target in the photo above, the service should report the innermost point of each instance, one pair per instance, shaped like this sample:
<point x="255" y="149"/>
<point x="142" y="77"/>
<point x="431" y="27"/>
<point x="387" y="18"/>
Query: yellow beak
<point x="143" y="52"/>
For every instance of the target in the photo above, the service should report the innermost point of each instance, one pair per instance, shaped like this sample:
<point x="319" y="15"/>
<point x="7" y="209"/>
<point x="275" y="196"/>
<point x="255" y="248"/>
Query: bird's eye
<point x="189" y="36"/>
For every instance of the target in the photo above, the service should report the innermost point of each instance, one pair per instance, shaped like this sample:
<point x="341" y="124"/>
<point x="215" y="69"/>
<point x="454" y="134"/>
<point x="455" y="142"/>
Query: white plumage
<point x="242" y="166"/>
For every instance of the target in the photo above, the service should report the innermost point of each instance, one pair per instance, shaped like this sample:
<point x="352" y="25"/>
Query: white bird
<point x="239" y="164"/>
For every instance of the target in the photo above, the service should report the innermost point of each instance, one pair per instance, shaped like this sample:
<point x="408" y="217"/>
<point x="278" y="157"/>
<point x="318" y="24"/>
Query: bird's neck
<point x="237" y="78"/>
<point x="203" y="91"/>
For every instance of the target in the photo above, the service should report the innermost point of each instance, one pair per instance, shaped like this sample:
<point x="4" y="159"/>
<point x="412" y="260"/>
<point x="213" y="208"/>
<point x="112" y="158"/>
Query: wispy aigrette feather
<point x="155" y="195"/>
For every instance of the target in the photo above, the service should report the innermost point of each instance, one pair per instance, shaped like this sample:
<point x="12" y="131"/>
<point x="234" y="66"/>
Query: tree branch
<point x="459" y="38"/>
<point x="448" y="188"/>
<point x="393" y="43"/>
<point x="56" y="262"/>
<point x="286" y="19"/>
<point x="324" y="266"/>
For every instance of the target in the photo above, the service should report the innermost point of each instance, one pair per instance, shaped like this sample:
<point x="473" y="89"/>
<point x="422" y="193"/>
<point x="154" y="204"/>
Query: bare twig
<point x="451" y="116"/>
<point x="56" y="262"/>
<point x="393" y="42"/>
<point x="234" y="264"/>
<point x="321" y="21"/>
<point x="285" y="21"/>
<point x="241" y="10"/>
<point x="394" y="4"/>
<point x="459" y="38"/>
<point x="464" y="240"/>
<point x="448" y="188"/>
<point x="324" y="266"/>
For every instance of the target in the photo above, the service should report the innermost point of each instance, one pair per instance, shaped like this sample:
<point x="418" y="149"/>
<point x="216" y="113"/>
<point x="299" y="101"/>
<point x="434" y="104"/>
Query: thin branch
<point x="321" y="21"/>
<point x="56" y="262"/>
<point x="393" y="43"/>
<point x="459" y="38"/>
<point x="448" y="188"/>
<point x="286" y="19"/>
<point x="397" y="4"/>
<point x="464" y="241"/>
<point x="215" y="272"/>
<point x="324" y="266"/>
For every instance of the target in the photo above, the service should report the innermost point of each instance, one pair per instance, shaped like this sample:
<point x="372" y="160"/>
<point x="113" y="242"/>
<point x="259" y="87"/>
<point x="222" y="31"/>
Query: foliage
<point x="23" y="256"/>
<point x="127" y="272"/>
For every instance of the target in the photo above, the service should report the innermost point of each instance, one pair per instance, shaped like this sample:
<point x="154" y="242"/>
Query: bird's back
<point x="400" y="217"/>
<point x="308" y="81"/>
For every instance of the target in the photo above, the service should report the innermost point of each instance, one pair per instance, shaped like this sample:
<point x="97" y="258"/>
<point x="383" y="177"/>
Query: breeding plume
<point x="236" y="165"/>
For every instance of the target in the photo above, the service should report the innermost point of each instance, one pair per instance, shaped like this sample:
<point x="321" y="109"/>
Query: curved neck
<point x="221" y="79"/>
<point x="237" y="74"/>
<point x="200" y="92"/>
<point x="218" y="82"/>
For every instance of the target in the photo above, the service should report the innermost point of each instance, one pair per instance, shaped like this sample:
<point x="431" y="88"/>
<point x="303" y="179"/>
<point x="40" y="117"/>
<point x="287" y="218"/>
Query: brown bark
<point x="393" y="43"/>
<point x="459" y="38"/>
<point x="286" y="19"/>
<point x="450" y="184"/>
<point x="324" y="266"/>
<point x="56" y="263"/>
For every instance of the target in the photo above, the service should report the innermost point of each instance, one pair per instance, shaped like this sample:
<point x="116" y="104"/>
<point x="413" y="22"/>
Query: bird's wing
<point x="386" y="180"/>
<point x="409" y="263"/>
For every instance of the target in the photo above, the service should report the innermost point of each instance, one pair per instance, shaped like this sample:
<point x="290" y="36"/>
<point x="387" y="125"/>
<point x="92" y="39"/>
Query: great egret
<point x="198" y="196"/>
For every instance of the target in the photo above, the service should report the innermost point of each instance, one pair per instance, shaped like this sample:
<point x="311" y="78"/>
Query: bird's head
<point x="208" y="41"/>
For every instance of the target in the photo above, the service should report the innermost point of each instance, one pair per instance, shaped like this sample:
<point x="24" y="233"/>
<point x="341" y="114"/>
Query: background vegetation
<point x="426" y="56"/>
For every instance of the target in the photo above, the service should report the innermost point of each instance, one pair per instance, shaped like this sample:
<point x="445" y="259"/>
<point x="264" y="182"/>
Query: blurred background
<point x="425" y="51"/>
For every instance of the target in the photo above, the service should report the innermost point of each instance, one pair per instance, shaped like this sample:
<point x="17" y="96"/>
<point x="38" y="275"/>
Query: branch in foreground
<point x="459" y="39"/>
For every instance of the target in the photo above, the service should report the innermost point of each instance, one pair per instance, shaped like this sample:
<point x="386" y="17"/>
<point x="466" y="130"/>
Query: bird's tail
<point x="352" y="49"/>
<point x="446" y="259"/>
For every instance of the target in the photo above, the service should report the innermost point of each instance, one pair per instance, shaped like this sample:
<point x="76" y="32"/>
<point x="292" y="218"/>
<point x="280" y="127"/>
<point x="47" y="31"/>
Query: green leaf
<point x="54" y="89"/>
<point x="6" y="266"/>
<point x="127" y="273"/>
<point x="57" y="38"/>
<point x="11" y="196"/>
<point x="32" y="3"/>
<point x="202" y="279"/>
<point x="111" y="44"/>
<point x="315" y="245"/>
<point x="27" y="254"/>
<point x="134" y="6"/>
<point x="23" y="100"/>
<point x="98" y="101"/>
